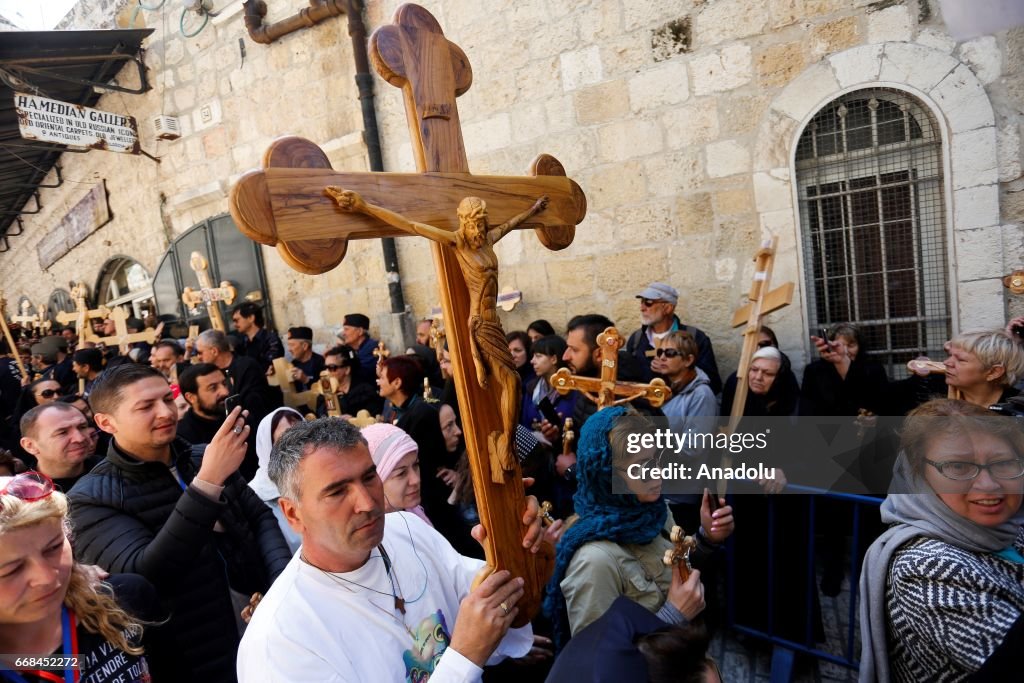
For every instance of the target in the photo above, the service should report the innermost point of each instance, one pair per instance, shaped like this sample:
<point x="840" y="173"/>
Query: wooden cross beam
<point x="749" y="316"/>
<point x="10" y="339"/>
<point x="607" y="390"/>
<point x="207" y="293"/>
<point x="122" y="339"/>
<point x="287" y="203"/>
<point x="82" y="315"/>
<point x="27" y="319"/>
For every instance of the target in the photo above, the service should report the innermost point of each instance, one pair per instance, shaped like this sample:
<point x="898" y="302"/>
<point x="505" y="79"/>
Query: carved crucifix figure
<point x="207" y="293"/>
<point x="284" y="205"/>
<point x="474" y="244"/>
<point x="607" y="390"/>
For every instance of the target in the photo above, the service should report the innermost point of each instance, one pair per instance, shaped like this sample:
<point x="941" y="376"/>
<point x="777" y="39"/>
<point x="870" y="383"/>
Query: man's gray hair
<point x="216" y="339"/>
<point x="302" y="439"/>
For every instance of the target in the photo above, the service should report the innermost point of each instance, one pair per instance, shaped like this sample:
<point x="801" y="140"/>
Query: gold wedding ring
<point x="504" y="607"/>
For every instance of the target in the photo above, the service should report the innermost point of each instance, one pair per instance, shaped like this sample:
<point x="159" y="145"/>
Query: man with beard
<point x="204" y="387"/>
<point x="583" y="358"/>
<point x="246" y="379"/>
<point x="181" y="517"/>
<point x="59" y="437"/>
<point x="657" y="316"/>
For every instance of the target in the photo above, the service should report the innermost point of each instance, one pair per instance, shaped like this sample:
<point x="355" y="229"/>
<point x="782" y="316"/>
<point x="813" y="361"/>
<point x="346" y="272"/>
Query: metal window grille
<point x="869" y="175"/>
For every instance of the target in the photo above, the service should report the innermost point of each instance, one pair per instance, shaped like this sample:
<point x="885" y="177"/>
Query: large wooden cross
<point x="607" y="390"/>
<point x="82" y="315"/>
<point x="122" y="339"/>
<point x="286" y="204"/>
<point x="761" y="303"/>
<point x="207" y="293"/>
<point x="27" y="319"/>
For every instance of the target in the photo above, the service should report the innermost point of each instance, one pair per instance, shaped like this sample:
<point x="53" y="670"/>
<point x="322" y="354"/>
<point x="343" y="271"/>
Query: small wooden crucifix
<point x="285" y="204"/>
<point x="607" y="390"/>
<point x="82" y="315"/>
<point x="207" y="293"/>
<point x="761" y="303"/>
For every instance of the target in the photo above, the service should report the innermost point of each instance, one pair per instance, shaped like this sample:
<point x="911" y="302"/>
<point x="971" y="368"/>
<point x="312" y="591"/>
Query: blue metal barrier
<point x="785" y="650"/>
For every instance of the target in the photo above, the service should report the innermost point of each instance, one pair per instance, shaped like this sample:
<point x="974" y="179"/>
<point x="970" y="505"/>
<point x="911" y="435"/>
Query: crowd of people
<point x="165" y="516"/>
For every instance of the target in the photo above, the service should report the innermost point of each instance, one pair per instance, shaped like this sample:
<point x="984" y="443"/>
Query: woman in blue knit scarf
<point x="616" y="547"/>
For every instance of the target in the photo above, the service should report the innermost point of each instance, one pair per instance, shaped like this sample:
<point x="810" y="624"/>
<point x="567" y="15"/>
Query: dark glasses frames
<point x="764" y="344"/>
<point x="647" y="303"/>
<point x="334" y="368"/>
<point x="49" y="393"/>
<point x="668" y="353"/>
<point x="29" y="487"/>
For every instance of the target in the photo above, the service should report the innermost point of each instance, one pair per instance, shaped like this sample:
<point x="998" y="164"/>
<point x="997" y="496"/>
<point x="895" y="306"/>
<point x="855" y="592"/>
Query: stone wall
<point x="677" y="118"/>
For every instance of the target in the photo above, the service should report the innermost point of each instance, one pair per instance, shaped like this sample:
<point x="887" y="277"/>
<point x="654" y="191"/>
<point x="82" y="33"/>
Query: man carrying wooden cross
<point x="474" y="244"/>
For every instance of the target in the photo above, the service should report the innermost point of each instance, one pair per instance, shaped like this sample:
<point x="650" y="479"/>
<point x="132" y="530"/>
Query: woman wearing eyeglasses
<point x="943" y="589"/>
<point x="50" y="608"/>
<point x="693" y="402"/>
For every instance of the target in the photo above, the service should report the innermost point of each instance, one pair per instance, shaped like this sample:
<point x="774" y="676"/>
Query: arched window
<point x="869" y="178"/>
<point x="124" y="281"/>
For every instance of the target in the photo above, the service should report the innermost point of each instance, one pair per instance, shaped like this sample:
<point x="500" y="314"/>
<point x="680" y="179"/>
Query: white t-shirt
<point x="311" y="627"/>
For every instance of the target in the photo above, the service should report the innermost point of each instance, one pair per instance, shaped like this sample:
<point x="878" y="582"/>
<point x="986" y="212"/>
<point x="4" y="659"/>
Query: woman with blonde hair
<point x="982" y="367"/>
<point x="51" y="608"/>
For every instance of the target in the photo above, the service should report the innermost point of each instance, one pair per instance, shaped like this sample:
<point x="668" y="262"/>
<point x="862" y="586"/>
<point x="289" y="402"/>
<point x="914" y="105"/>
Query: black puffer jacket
<point x="132" y="516"/>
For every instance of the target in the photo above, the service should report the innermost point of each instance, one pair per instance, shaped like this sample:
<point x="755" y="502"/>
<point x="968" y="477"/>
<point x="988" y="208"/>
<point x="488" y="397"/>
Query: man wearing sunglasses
<point x="59" y="437"/>
<point x="657" y="317"/>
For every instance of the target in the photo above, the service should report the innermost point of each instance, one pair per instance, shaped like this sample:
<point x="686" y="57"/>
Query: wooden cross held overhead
<point x="27" y="320"/>
<point x="282" y="378"/>
<point x="207" y="293"/>
<point x="10" y="340"/>
<point x="607" y="390"/>
<point x="82" y="315"/>
<point x="287" y="204"/>
<point x="121" y="337"/>
<point x="761" y="303"/>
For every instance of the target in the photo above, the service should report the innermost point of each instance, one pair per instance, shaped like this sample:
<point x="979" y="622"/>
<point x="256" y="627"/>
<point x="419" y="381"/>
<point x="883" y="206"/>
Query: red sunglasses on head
<point x="28" y="486"/>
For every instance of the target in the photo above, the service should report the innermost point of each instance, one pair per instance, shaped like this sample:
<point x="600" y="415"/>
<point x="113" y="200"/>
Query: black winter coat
<point x="132" y="516"/>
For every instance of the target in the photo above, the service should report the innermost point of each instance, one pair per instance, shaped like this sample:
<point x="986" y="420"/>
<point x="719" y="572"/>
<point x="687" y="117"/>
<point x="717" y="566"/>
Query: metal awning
<point x="63" y="65"/>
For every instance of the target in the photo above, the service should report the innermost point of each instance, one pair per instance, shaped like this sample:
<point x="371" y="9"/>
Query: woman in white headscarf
<point x="269" y="431"/>
<point x="942" y="591"/>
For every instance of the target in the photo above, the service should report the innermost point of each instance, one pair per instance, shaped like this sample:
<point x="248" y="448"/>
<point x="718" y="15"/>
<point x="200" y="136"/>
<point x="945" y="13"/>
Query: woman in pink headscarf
<point x="397" y="459"/>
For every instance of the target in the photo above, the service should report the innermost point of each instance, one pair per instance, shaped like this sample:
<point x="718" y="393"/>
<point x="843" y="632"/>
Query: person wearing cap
<point x="87" y="364"/>
<point x="657" y="316"/>
<point x="355" y="333"/>
<point x="306" y="364"/>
